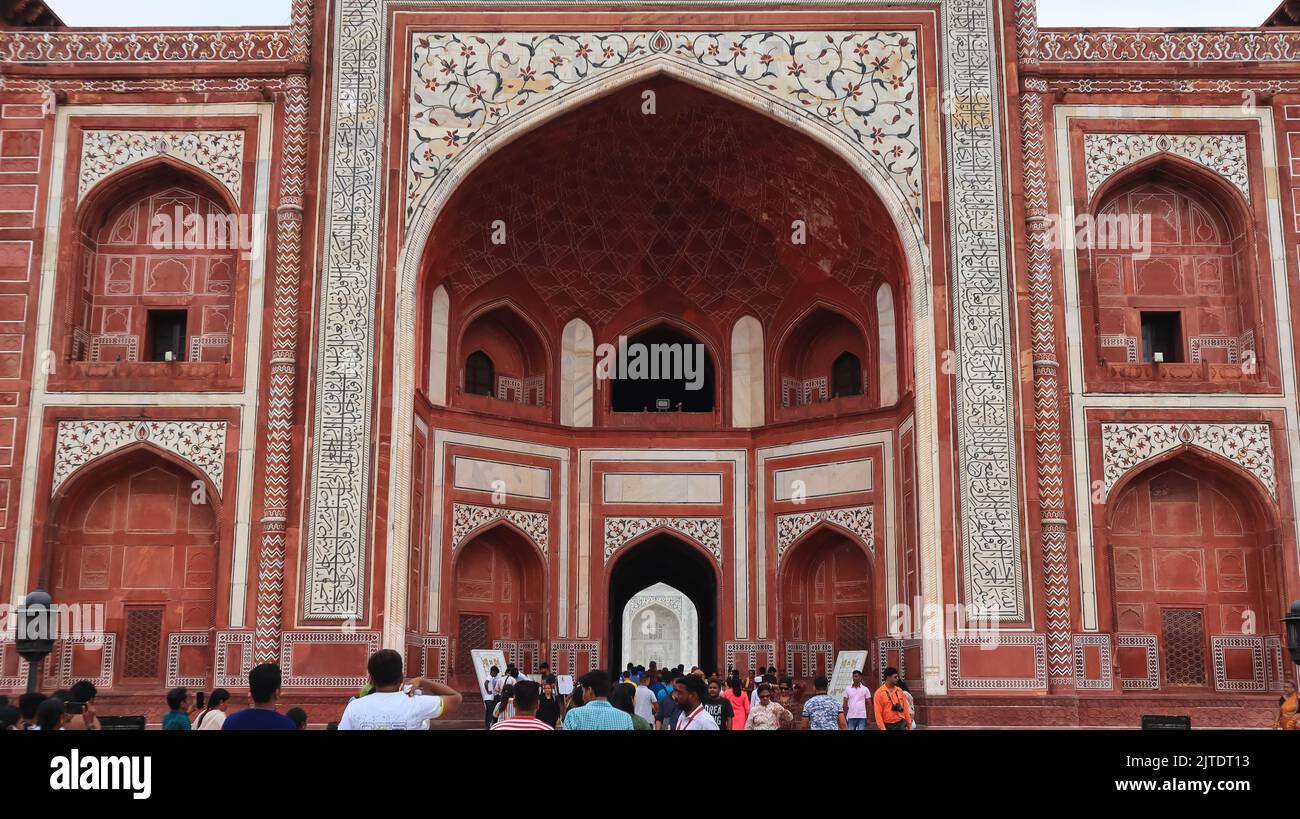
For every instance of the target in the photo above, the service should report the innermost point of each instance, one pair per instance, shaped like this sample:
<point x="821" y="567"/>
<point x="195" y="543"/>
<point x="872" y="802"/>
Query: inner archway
<point x="665" y="559"/>
<point x="826" y="593"/>
<point x="499" y="595"/>
<point x="660" y="625"/>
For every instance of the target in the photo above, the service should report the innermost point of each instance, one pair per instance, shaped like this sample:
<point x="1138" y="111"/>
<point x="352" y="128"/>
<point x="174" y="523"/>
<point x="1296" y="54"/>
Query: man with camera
<point x="81" y="707"/>
<point x="892" y="711"/>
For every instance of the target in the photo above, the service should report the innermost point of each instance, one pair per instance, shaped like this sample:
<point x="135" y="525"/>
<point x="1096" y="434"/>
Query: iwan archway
<point x="423" y="300"/>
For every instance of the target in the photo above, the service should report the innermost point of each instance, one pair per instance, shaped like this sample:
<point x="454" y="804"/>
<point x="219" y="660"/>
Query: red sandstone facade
<point x="383" y="423"/>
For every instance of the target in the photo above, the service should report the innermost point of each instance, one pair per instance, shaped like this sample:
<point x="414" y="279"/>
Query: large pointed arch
<point x="915" y="258"/>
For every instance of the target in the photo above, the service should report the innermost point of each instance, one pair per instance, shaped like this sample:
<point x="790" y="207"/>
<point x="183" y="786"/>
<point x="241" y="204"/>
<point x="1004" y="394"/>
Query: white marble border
<point x="245" y="402"/>
<point x="1158" y="406"/>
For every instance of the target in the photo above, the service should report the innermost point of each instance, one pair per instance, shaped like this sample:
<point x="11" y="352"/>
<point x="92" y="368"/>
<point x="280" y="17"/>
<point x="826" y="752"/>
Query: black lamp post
<point x="36" y="629"/>
<point x="1292" y="621"/>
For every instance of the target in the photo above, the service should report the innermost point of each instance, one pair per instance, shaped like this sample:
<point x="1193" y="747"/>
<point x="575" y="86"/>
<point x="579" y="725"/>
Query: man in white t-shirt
<point x="690" y="692"/>
<point x="856" y="697"/>
<point x="392" y="706"/>
<point x="644" y="702"/>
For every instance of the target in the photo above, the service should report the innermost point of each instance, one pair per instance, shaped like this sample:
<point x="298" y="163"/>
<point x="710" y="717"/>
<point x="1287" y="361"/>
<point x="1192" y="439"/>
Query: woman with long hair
<point x="214" y="715"/>
<point x="550" y="708"/>
<point x="740" y="706"/>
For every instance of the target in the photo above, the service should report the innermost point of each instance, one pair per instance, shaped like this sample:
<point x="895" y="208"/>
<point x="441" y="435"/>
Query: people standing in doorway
<point x="855" y="703"/>
<point x="892" y="711"/>
<point x="691" y="692"/>
<point x="668" y="709"/>
<point x="822" y="712"/>
<point x="492" y="687"/>
<point x="1288" y="716"/>
<point x="624" y="699"/>
<point x="596" y="713"/>
<point x="740" y="704"/>
<point x="768" y="715"/>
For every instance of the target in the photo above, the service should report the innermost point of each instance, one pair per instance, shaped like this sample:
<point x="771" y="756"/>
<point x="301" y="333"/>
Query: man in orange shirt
<point x="890" y="704"/>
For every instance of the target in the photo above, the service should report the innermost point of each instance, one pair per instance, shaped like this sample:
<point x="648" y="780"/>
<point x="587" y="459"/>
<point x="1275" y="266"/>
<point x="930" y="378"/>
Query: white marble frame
<point x="439" y="509"/>
<point x="1158" y="405"/>
<point x="245" y="401"/>
<point x="588" y="458"/>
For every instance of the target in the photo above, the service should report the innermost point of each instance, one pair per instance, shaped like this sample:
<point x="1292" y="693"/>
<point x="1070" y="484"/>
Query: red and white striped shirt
<point x="521" y="724"/>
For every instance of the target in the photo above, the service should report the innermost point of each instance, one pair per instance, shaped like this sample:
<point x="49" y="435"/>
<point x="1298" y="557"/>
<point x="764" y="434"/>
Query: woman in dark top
<point x="550" y="709"/>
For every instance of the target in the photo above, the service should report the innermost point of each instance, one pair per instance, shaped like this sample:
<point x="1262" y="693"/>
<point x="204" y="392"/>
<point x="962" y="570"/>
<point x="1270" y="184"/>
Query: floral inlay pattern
<point x="1107" y="154"/>
<point x="1127" y="446"/>
<point x="858" y="520"/>
<point x="202" y="443"/>
<point x="467" y="518"/>
<point x="864" y="84"/>
<point x="705" y="531"/>
<point x="219" y="153"/>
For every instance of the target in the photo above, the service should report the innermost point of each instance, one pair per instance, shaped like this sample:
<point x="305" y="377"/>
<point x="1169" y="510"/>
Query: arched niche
<point x="823" y="365"/>
<point x="1169" y="274"/>
<point x="660" y="624"/>
<point x="658" y="369"/>
<point x="516" y="356"/>
<point x="138" y="532"/>
<point x="1191" y="560"/>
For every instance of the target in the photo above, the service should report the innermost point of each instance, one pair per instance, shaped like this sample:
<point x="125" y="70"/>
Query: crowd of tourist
<point x="641" y="698"/>
<point x="674" y="699"/>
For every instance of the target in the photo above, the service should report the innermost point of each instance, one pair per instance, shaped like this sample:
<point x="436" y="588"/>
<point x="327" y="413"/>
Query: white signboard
<point x="566" y="684"/>
<point x="484" y="659"/>
<point x="846" y="662"/>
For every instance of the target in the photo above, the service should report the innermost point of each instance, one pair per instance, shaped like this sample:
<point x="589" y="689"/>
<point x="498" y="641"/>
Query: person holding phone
<point x="81" y="708"/>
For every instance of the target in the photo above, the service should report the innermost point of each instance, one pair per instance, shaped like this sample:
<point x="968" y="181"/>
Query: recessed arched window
<point x="479" y="374"/>
<point x="846" y="375"/>
<point x="663" y="370"/>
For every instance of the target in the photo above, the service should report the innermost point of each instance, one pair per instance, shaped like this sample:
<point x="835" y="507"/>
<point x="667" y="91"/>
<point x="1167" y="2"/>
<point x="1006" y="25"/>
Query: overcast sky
<point x="1158" y="13"/>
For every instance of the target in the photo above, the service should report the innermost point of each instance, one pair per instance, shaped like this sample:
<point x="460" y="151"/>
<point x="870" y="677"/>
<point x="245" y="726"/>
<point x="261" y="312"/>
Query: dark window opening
<point x="846" y="376"/>
<point x="479" y="374"/>
<point x="167" y="335"/>
<point x="662" y="370"/>
<point x="1162" y="333"/>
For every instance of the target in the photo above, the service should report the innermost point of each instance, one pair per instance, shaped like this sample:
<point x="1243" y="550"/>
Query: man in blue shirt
<point x="596" y="714"/>
<point x="264" y="685"/>
<point x="666" y="716"/>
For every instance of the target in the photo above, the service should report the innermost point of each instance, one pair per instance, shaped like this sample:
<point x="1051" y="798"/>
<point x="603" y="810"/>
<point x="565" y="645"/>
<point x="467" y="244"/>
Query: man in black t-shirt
<point x="718" y="707"/>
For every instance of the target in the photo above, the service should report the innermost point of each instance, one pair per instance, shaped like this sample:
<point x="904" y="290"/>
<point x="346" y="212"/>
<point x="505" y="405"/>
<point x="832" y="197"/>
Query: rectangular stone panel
<point x="623" y="487"/>
<point x="512" y="479"/>
<point x="838" y="478"/>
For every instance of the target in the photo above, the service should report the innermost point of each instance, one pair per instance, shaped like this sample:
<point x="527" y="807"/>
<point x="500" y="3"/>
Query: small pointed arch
<point x="1198" y="459"/>
<point x="747" y="389"/>
<point x="501" y="335"/>
<point x="668" y="361"/>
<point x="511" y="528"/>
<point x="819" y="346"/>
